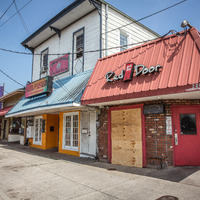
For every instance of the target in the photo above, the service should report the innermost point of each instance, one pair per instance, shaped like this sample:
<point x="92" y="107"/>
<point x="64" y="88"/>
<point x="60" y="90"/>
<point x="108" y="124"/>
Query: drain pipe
<point x="106" y="33"/>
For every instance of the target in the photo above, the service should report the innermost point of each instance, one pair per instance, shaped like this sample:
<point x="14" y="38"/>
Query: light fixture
<point x="185" y="23"/>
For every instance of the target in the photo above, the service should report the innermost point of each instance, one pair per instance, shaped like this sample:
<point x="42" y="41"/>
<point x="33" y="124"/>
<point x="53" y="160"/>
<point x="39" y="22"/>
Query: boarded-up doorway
<point x="126" y="137"/>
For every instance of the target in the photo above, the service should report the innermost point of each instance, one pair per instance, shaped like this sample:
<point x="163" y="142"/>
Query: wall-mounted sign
<point x="127" y="74"/>
<point x="168" y="125"/>
<point x="195" y="87"/>
<point x="39" y="87"/>
<point x="153" y="109"/>
<point x="59" y="65"/>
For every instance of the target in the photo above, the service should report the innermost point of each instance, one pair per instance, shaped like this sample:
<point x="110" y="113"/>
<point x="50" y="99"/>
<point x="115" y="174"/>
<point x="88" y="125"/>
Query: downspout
<point x="98" y="6"/>
<point x="106" y="33"/>
<point x="100" y="42"/>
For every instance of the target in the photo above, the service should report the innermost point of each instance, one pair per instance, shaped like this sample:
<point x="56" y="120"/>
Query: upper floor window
<point x="79" y="44"/>
<point x="44" y="61"/>
<point x="123" y="41"/>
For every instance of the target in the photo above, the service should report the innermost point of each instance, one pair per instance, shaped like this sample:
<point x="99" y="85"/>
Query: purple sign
<point x="1" y="94"/>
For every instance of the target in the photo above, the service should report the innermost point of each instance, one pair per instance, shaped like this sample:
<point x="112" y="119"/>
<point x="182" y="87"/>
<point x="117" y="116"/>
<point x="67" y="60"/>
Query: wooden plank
<point x="126" y="136"/>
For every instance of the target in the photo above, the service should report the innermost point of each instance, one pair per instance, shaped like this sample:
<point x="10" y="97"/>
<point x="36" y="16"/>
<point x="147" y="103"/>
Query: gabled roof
<point x="65" y="18"/>
<point x="178" y="54"/>
<point x="66" y="92"/>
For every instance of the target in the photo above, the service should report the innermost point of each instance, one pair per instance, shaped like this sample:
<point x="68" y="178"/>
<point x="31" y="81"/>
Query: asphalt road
<point x="29" y="174"/>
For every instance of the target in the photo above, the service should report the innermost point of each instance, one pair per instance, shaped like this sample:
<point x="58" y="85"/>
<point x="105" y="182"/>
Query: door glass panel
<point x="68" y="131"/>
<point x="188" y="124"/>
<point x="36" y="130"/>
<point x="40" y="132"/>
<point x="75" y="130"/>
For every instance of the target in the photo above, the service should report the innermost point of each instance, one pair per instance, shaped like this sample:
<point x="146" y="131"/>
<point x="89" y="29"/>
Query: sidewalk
<point x="28" y="173"/>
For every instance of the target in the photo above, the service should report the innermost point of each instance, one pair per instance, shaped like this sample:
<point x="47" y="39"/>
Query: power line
<point x="146" y="17"/>
<point x="11" y="78"/>
<point x="22" y="20"/>
<point x="14" y="14"/>
<point x="7" y="9"/>
<point x="90" y="51"/>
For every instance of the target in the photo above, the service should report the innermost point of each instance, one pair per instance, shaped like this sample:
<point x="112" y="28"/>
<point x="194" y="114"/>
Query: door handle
<point x="176" y="138"/>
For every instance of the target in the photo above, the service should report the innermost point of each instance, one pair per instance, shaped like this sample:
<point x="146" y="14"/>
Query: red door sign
<point x="186" y="135"/>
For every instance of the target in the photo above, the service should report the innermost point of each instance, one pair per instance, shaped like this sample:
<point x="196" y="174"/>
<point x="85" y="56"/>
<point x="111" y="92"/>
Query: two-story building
<point x="65" y="51"/>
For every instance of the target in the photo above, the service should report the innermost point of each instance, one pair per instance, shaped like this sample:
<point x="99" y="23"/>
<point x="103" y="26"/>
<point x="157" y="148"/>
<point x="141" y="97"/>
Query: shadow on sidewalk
<point x="174" y="174"/>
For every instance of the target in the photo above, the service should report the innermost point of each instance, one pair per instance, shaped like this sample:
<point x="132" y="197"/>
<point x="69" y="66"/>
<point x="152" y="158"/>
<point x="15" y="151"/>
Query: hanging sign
<point x="39" y="87"/>
<point x="127" y="74"/>
<point x="59" y="65"/>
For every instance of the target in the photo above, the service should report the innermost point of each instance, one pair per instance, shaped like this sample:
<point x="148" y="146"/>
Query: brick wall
<point x="159" y="146"/>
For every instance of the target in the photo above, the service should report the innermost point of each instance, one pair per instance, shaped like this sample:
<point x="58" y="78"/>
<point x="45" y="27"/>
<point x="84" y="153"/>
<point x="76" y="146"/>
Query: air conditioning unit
<point x="43" y="69"/>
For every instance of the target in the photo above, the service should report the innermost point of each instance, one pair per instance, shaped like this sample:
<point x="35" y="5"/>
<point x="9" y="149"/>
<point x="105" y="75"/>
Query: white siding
<point x="135" y="32"/>
<point x="57" y="45"/>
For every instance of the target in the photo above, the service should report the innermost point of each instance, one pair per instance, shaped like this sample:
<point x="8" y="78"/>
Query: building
<point x="65" y="51"/>
<point x="14" y="127"/>
<point x="149" y="98"/>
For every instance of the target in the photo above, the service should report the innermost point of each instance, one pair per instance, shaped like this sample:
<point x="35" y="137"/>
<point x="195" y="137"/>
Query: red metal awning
<point x="3" y="111"/>
<point x="179" y="56"/>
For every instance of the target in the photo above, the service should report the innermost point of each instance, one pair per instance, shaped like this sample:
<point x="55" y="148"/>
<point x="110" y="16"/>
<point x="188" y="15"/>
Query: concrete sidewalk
<point x="28" y="174"/>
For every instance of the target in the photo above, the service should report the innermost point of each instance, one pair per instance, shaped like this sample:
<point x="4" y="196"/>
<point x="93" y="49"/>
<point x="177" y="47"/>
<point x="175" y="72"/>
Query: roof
<point x="65" y="18"/>
<point x="178" y="54"/>
<point x="65" y="91"/>
<point x="12" y="94"/>
<point x="4" y="110"/>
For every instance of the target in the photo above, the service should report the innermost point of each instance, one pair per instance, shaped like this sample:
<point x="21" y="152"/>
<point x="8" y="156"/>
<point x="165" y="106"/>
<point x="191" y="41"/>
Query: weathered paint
<point x="60" y="149"/>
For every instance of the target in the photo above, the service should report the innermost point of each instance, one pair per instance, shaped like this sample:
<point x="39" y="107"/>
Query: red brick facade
<point x="159" y="146"/>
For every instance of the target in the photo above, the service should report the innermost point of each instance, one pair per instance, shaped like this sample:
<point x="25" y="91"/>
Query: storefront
<point x="55" y="118"/>
<point x="149" y="98"/>
<point x="12" y="129"/>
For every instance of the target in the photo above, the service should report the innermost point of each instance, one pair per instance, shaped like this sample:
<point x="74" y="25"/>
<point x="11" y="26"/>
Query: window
<point x="79" y="45"/>
<point x="44" y="61"/>
<point x="71" y="131"/>
<point x="123" y="41"/>
<point x="188" y="124"/>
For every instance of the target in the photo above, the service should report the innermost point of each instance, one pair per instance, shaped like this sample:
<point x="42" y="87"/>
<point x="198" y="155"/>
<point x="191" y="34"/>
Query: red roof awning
<point x="3" y="111"/>
<point x="178" y="54"/>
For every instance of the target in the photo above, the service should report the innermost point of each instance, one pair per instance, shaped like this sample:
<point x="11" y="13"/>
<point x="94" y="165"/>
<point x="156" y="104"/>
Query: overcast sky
<point x="38" y="12"/>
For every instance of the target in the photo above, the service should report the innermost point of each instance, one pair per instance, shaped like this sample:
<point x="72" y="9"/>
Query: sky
<point x="37" y="12"/>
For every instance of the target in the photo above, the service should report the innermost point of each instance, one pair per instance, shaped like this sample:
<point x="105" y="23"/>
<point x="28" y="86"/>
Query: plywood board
<point x="126" y="136"/>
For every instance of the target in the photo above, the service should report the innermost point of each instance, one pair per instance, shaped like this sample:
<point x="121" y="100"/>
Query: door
<point x="71" y="131"/>
<point x="88" y="133"/>
<point x="126" y="137"/>
<point x="37" y="139"/>
<point x="186" y="135"/>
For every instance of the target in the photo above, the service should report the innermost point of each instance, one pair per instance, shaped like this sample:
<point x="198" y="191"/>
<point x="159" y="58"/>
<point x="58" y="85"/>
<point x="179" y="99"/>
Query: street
<point x="30" y="174"/>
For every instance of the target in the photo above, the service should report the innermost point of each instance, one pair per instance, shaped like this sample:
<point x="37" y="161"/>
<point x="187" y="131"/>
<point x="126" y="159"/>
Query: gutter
<point x="40" y="110"/>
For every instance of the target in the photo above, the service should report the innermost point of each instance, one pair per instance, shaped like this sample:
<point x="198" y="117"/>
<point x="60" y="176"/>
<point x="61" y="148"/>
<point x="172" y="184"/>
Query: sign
<point x="127" y="74"/>
<point x="42" y="86"/>
<point x="59" y="65"/>
<point x="168" y="125"/>
<point x="153" y="109"/>
<point x="195" y="87"/>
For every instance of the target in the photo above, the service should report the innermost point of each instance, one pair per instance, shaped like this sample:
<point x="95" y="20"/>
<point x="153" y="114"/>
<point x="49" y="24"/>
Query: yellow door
<point x="126" y="137"/>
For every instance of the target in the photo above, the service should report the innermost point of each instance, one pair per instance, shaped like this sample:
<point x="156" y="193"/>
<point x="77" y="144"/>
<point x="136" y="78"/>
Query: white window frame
<point x="81" y="32"/>
<point x="127" y="37"/>
<point x="39" y="128"/>
<point x="44" y="69"/>
<point x="71" y="147"/>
